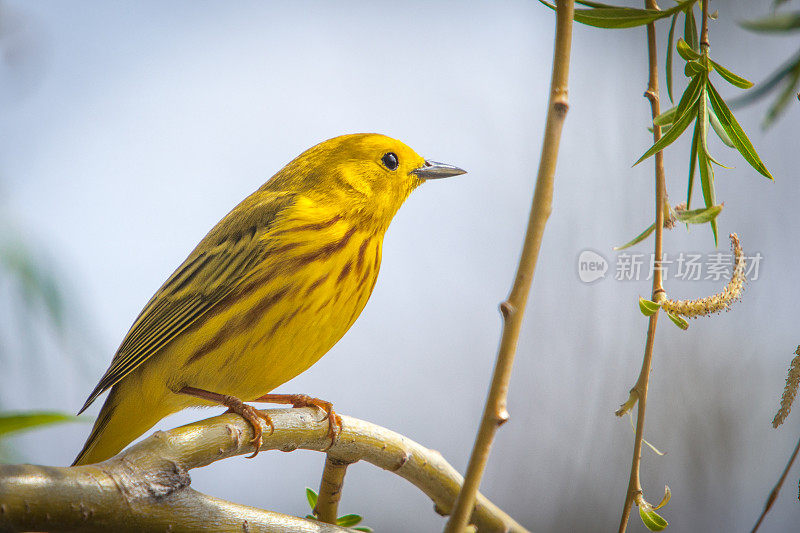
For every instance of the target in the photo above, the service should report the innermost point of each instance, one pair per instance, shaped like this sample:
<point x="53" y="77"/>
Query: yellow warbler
<point x="271" y="288"/>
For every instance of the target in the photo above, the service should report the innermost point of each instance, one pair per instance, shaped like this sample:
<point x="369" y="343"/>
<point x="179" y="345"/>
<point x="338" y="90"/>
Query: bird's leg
<point x="304" y="400"/>
<point x="235" y="405"/>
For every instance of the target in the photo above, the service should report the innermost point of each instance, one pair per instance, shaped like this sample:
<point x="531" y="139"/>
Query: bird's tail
<point x="122" y="419"/>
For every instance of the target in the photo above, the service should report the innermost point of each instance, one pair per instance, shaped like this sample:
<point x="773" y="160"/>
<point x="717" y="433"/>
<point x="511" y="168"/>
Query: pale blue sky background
<point x="129" y="128"/>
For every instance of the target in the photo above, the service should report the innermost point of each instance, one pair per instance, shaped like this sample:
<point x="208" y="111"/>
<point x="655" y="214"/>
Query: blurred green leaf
<point x="639" y="238"/>
<point x="34" y="280"/>
<point x="779" y="22"/>
<point x="311" y="496"/>
<point x="348" y="520"/>
<point x="686" y="51"/>
<point x="648" y="307"/>
<point x="363" y="528"/>
<point x="670" y="40"/>
<point x="651" y="519"/>
<point x="699" y="216"/>
<point x="785" y="96"/>
<point x="730" y="77"/>
<point x="13" y="422"/>
<point x="735" y="132"/>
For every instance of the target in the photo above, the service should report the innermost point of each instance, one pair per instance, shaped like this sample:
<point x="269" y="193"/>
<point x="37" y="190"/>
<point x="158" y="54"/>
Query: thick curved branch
<point x="147" y="486"/>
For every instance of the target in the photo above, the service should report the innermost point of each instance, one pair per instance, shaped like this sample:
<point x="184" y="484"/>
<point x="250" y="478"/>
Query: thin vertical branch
<point x="639" y="391"/>
<point x="330" y="489"/>
<point x="704" y="44"/>
<point x="495" y="412"/>
<point x="777" y="488"/>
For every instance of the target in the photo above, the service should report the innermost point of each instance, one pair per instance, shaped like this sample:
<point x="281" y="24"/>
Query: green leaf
<point x="648" y="307"/>
<point x="670" y="40"/>
<point x="690" y="29"/>
<point x="639" y="238"/>
<point x="730" y="77"/>
<point x="614" y="17"/>
<point x="692" y="164"/>
<point x="667" y="117"/>
<point x="718" y="128"/>
<point x="363" y="528"/>
<point x="691" y="94"/>
<point x="686" y="51"/>
<point x="13" y="422"/>
<point x="652" y="520"/>
<point x="669" y="137"/>
<point x="779" y="22"/>
<point x="348" y="520"/>
<point x="699" y="216"/>
<point x="735" y="132"/>
<point x="707" y="183"/>
<point x="311" y="496"/>
<point x="684" y="325"/>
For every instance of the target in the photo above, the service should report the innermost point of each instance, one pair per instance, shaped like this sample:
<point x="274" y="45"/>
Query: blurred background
<point x="129" y="128"/>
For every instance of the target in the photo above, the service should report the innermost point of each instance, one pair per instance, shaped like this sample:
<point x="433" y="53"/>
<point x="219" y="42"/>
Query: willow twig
<point x="495" y="412"/>
<point x="146" y="487"/>
<point x="639" y="391"/>
<point x="330" y="489"/>
<point x="777" y="488"/>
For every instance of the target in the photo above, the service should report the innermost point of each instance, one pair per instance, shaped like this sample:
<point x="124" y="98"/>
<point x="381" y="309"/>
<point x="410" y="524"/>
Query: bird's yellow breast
<point x="291" y="309"/>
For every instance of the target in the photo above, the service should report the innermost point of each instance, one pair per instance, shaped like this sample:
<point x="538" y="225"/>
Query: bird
<point x="264" y="295"/>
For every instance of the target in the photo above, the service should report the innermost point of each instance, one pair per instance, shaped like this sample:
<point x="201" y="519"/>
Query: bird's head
<point x="363" y="175"/>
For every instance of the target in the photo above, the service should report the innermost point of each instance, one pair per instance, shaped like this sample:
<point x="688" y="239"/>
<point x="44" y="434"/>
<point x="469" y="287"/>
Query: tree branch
<point x="146" y="487"/>
<point x="495" y="412"/>
<point x="330" y="489"/>
<point x="639" y="391"/>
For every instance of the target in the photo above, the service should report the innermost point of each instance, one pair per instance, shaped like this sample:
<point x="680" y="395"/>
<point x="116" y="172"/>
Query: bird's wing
<point x="215" y="267"/>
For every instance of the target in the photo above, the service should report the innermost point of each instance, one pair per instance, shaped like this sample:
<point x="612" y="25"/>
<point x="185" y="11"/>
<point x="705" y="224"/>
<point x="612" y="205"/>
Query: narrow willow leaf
<point x="699" y="216"/>
<point x="647" y="307"/>
<point x="686" y="51"/>
<point x="707" y="184"/>
<point x="723" y="136"/>
<point x="684" y="325"/>
<point x="735" y="132"/>
<point x="782" y="22"/>
<point x="613" y="17"/>
<point x="639" y="238"/>
<point x="665" y="500"/>
<point x="311" y="496"/>
<point x="702" y="120"/>
<point x="365" y="529"/>
<point x="670" y="40"/>
<point x="730" y="77"/>
<point x="690" y="94"/>
<point x="669" y="137"/>
<point x="692" y="165"/>
<point x="690" y="29"/>
<point x="348" y="520"/>
<point x="667" y="117"/>
<point x="13" y="422"/>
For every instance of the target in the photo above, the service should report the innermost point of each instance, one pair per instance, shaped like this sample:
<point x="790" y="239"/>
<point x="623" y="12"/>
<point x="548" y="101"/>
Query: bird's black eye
<point x="389" y="160"/>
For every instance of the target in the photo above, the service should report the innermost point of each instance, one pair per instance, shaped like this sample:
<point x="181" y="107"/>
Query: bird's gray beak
<point x="432" y="170"/>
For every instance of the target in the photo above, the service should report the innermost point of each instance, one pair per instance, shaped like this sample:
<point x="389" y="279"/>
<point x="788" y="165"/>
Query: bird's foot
<point x="304" y="400"/>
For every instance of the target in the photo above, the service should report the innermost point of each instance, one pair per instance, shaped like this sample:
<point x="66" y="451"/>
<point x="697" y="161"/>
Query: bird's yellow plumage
<point x="271" y="288"/>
